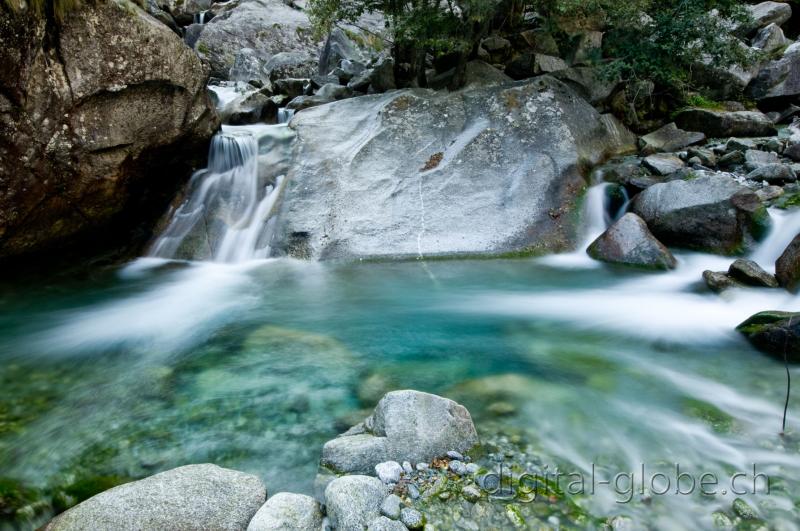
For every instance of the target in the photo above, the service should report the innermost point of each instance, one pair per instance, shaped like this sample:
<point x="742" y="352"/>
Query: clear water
<point x="255" y="365"/>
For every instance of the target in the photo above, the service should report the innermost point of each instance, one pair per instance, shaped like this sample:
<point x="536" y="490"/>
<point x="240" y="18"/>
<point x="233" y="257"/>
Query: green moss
<point x="514" y="515"/>
<point x="717" y="419"/>
<point x="700" y="101"/>
<point x="84" y="488"/>
<point x="18" y="502"/>
<point x="202" y="48"/>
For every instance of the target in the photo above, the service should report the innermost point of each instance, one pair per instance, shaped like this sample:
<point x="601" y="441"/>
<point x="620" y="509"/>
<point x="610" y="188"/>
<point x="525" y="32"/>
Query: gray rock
<point x="706" y="157"/>
<point x="406" y="425"/>
<point x="250" y="109"/>
<point x="663" y="163"/>
<point x="669" y="139"/>
<point x="768" y="193"/>
<point x="770" y="38"/>
<point x="353" y="502"/>
<point x="711" y="212"/>
<point x="390" y="507"/>
<point x="471" y="493"/>
<point x="533" y="64"/>
<point x="452" y="454"/>
<point x="767" y="13"/>
<point x="720" y="124"/>
<point x="591" y="83"/>
<point x="773" y="174"/>
<point x="407" y="468"/>
<point x="392" y="175"/>
<point x="104" y="114"/>
<point x="291" y="87"/>
<point x="775" y="333"/>
<point x="720" y="281"/>
<point x="382" y="523"/>
<point x="181" y="498"/>
<point x="778" y="79"/>
<point x="286" y="511"/>
<point x="754" y="159"/>
<point x="413" y="491"/>
<point x="267" y="27"/>
<point x="787" y="267"/>
<point x="457" y="467"/>
<point x="729" y="160"/>
<point x="340" y="51"/>
<point x="472" y="469"/>
<point x="389" y="471"/>
<point x="629" y="242"/>
<point x="412" y="518"/>
<point x="750" y="273"/>
<point x="481" y="74"/>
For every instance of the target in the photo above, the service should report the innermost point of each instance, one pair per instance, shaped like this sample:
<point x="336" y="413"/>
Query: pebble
<point x="412" y="518"/>
<point x="389" y="471"/>
<point x="452" y="454"/>
<point x="472" y="469"/>
<point x="382" y="523"/>
<point x="457" y="467"/>
<point x="390" y="507"/>
<point x="743" y="510"/>
<point x="413" y="491"/>
<point x="471" y="493"/>
<point x="407" y="468"/>
<point x="422" y="467"/>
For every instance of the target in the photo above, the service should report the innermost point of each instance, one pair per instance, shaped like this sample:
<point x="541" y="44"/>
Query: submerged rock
<point x="720" y="124"/>
<point x="181" y="498"/>
<point x="287" y="511"/>
<point x="486" y="170"/>
<point x="96" y="138"/>
<point x="710" y="212"/>
<point x="775" y="333"/>
<point x="406" y="426"/>
<point x="629" y="242"/>
<point x="353" y="502"/>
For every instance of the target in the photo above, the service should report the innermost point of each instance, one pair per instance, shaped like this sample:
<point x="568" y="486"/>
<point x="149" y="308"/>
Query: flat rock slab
<point x="750" y="273"/>
<point x="721" y="124"/>
<point x="663" y="163"/>
<point x="482" y="171"/>
<point x="189" y="497"/>
<point x="669" y="139"/>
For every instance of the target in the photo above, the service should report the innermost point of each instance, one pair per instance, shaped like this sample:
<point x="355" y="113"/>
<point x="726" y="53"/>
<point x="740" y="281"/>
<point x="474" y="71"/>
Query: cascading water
<point x="225" y="217"/>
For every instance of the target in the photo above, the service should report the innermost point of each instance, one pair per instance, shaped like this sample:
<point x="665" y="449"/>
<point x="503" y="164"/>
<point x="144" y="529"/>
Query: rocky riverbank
<point x="419" y="465"/>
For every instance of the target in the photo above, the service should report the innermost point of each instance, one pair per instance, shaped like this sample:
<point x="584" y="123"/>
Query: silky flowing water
<point x="253" y="363"/>
<point x="126" y="372"/>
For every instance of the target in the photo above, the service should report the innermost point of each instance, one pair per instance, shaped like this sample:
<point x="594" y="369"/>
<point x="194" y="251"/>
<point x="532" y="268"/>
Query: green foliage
<point x="657" y="40"/>
<point x="428" y="24"/>
<point x="700" y="101"/>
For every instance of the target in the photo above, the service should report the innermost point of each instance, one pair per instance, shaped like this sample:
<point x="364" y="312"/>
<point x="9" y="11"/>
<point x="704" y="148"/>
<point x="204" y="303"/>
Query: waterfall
<point x="285" y="115"/>
<point x="225" y="215"/>
<point x="200" y="18"/>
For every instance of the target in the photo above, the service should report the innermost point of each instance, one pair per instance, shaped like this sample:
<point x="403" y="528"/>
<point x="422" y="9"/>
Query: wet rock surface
<point x="629" y="242"/>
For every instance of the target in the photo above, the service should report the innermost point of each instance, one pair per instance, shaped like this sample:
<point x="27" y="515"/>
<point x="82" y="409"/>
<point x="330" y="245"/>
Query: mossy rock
<point x="774" y="333"/>
<point x="19" y="503"/>
<point x="84" y="488"/>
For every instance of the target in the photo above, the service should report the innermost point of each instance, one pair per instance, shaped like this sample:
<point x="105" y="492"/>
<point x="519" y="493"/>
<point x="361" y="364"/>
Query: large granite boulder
<point x="486" y="170"/>
<point x="262" y="29"/>
<point x="187" y="497"/>
<point x="710" y="212"/>
<point x="405" y="426"/>
<point x="628" y="242"/>
<point x="102" y="116"/>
